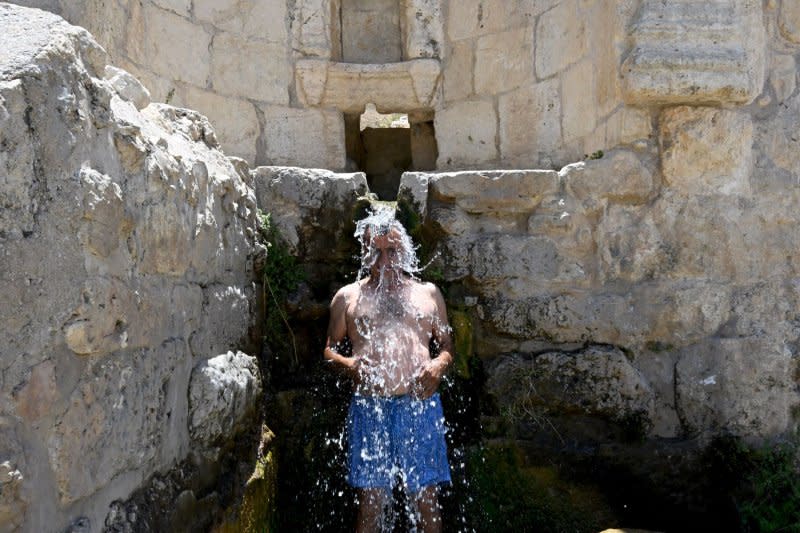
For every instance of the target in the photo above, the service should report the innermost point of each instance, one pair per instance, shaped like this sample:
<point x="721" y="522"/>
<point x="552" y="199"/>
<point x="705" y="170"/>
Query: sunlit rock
<point x="700" y="156"/>
<point x="121" y="223"/>
<point x="223" y="392"/>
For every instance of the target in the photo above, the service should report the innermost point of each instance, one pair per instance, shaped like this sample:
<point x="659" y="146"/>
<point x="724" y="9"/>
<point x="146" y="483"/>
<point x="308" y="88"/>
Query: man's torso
<point x="390" y="331"/>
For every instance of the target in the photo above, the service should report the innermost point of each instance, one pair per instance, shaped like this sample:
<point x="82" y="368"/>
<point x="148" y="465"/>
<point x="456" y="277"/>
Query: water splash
<point x="388" y="322"/>
<point x="381" y="221"/>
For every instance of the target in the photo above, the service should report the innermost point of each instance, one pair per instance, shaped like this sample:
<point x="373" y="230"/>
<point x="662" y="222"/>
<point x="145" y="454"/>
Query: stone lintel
<point x="393" y="87"/>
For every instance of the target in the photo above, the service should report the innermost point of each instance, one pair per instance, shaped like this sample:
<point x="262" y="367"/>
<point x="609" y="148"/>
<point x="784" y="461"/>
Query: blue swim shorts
<point x="396" y="436"/>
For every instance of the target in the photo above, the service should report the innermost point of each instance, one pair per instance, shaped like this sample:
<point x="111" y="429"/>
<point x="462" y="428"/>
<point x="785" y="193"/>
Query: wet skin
<point x="391" y="320"/>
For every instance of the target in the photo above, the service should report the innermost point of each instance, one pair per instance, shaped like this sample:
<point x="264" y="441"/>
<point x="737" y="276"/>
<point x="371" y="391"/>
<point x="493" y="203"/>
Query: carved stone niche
<point x="690" y="52"/>
<point x="353" y="52"/>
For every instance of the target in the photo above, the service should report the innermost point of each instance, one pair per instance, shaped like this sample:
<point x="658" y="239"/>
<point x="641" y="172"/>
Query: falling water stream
<point x="388" y="322"/>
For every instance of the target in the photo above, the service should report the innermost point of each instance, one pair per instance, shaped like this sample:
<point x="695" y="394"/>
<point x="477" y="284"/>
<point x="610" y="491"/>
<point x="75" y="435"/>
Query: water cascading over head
<point x="380" y="221"/>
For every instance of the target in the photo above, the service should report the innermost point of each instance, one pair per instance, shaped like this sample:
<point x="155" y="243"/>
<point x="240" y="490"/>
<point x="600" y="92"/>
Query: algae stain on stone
<point x="256" y="511"/>
<point x="461" y="322"/>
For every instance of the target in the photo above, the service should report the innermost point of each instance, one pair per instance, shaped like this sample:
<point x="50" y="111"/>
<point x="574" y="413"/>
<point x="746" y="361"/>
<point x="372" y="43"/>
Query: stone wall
<point x="677" y="269"/>
<point x="126" y="239"/>
<point x="662" y="270"/>
<point x="511" y="84"/>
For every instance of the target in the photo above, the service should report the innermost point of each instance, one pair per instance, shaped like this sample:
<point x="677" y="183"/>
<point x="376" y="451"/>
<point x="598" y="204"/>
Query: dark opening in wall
<point x="383" y="146"/>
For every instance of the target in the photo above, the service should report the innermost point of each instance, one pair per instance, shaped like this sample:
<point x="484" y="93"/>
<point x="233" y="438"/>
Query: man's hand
<point x="428" y="379"/>
<point x="352" y="367"/>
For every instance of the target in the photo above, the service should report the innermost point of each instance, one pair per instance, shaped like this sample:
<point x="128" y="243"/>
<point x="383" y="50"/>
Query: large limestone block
<point x="560" y="39"/>
<point x="494" y="192"/>
<point x="223" y="393"/>
<point x="702" y="238"/>
<point x="739" y="385"/>
<point x="478" y="17"/>
<point x="304" y="137"/>
<point x="252" y="19"/>
<point x="115" y="421"/>
<point x="695" y="53"/>
<point x="630" y="246"/>
<point x="392" y="87"/>
<point x="209" y="334"/>
<point x="597" y="381"/>
<point x="579" y="101"/>
<point x="677" y="313"/>
<point x="371" y="31"/>
<point x="185" y="56"/>
<point x="706" y="150"/>
<point x="619" y="176"/>
<point x="88" y="277"/>
<point x="457" y="71"/>
<point x="530" y="123"/>
<point x="789" y="20"/>
<point x="466" y="133"/>
<point x="307" y="206"/>
<point x="503" y="61"/>
<point x="749" y="239"/>
<point x="423" y="35"/>
<point x="234" y="119"/>
<point x="413" y="194"/>
<point x="250" y="68"/>
<point x="315" y="28"/>
<point x="492" y="258"/>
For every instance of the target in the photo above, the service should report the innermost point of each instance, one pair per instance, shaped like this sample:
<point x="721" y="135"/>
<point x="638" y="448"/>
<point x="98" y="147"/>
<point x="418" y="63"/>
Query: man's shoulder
<point x="427" y="287"/>
<point x="347" y="290"/>
<point x="425" y="284"/>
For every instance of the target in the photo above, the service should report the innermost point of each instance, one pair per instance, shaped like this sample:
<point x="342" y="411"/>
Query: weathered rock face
<point x="222" y="393"/>
<point x="309" y="207"/>
<point x="682" y="268"/>
<point x="596" y="381"/>
<point x="125" y="237"/>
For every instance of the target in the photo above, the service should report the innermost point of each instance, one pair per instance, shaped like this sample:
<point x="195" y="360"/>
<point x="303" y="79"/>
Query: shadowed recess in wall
<point x="384" y="145"/>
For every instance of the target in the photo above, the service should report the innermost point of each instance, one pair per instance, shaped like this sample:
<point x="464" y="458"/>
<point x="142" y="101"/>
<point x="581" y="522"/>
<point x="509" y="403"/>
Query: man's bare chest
<point x="390" y="316"/>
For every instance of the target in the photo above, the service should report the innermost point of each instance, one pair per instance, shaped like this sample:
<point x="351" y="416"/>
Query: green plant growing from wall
<point x="280" y="276"/>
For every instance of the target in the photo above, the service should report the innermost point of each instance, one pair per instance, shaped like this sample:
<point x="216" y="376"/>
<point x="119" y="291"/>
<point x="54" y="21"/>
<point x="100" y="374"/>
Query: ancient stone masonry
<point x="687" y="282"/>
<point x="722" y="62"/>
<point x="125" y="245"/>
<point x="612" y="189"/>
<point x="500" y="84"/>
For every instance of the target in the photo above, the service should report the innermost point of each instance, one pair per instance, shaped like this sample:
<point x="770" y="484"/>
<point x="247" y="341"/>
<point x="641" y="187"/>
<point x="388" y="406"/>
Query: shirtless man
<point x="395" y="421"/>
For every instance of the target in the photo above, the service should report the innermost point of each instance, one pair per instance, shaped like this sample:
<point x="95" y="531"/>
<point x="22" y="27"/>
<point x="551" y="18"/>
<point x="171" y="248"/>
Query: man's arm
<point x="337" y="331"/>
<point x="433" y="371"/>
